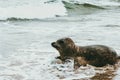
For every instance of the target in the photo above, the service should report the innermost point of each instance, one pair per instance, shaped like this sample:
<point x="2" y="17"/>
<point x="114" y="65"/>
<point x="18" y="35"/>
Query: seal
<point x="96" y="55"/>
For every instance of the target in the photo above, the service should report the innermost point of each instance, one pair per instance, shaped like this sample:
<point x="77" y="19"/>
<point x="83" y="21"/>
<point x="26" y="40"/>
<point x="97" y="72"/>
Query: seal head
<point x="65" y="47"/>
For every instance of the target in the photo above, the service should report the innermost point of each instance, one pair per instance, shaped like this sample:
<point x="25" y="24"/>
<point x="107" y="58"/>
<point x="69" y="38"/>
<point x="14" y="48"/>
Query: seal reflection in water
<point x="96" y="55"/>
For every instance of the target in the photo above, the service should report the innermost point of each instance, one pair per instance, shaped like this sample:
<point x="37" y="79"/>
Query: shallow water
<point x="25" y="43"/>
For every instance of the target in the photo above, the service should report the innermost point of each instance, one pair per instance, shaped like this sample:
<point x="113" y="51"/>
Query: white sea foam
<point x="39" y="67"/>
<point x="33" y="11"/>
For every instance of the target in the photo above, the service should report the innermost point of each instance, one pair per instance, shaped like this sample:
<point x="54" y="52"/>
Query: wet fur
<point x="96" y="55"/>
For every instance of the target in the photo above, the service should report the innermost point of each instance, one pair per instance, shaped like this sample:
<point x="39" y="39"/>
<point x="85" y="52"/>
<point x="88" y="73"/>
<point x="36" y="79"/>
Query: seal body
<point x="96" y="55"/>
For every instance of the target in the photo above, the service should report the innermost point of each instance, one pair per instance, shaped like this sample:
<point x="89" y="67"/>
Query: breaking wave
<point x="77" y="5"/>
<point x="51" y="8"/>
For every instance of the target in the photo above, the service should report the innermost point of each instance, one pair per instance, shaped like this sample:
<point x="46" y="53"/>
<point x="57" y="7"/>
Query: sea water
<point x="27" y="28"/>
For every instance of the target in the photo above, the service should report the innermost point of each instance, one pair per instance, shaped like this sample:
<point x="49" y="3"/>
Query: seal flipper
<point x="58" y="57"/>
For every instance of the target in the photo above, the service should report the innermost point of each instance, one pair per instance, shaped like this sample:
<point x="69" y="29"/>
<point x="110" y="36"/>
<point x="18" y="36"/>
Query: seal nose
<point x="53" y="44"/>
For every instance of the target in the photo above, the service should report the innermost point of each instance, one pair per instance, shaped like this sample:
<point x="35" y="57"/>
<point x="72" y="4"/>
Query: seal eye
<point x="61" y="41"/>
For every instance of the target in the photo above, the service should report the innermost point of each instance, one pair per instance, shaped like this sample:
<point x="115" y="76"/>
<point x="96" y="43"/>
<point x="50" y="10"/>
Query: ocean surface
<point x="27" y="28"/>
